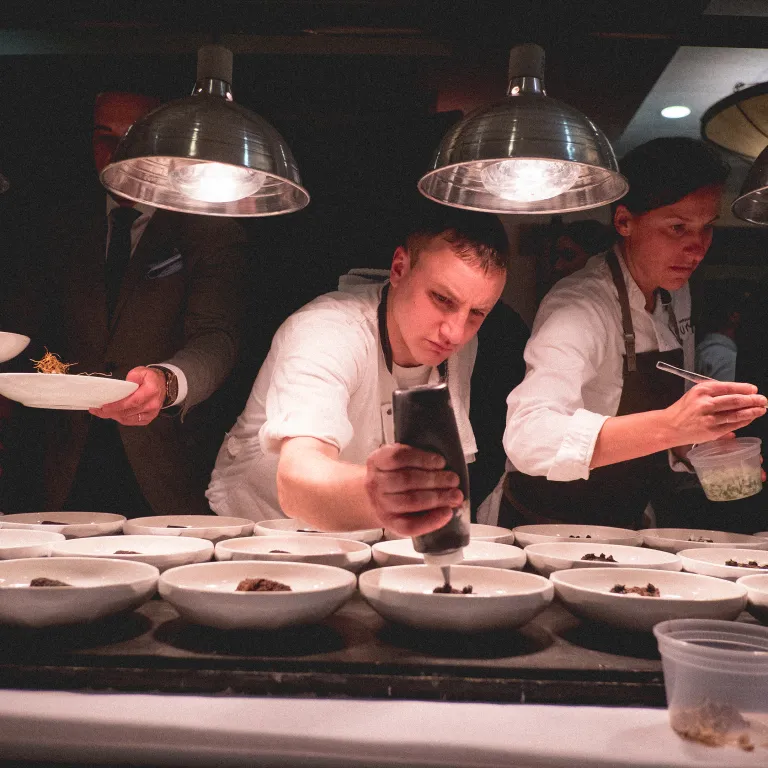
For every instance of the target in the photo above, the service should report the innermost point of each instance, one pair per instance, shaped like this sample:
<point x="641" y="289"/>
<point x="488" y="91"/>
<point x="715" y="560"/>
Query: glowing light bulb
<point x="214" y="182"/>
<point x="525" y="180"/>
<point x="676" y="112"/>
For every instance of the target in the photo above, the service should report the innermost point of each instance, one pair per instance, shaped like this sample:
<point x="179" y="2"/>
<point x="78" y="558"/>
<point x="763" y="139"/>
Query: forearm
<point x="629" y="437"/>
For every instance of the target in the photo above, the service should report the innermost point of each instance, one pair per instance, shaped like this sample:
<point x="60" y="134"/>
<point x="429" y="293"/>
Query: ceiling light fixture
<point x="205" y="154"/>
<point x="527" y="153"/>
<point x="675" y="112"/>
<point x="739" y="122"/>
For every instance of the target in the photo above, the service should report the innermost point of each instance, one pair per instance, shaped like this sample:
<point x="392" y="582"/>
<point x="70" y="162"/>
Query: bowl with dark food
<point x="287" y="526"/>
<point x="212" y="527"/>
<point x="611" y="595"/>
<point x="594" y="534"/>
<point x="477" y="599"/>
<point x="477" y="532"/>
<point x="51" y="591"/>
<point x="323" y="550"/>
<point x="73" y="525"/>
<point x="757" y="595"/>
<point x="249" y="594"/>
<point x="15" y="543"/>
<point x="562" y="555"/>
<point x="163" y="552"/>
<point x="478" y="552"/>
<point x="724" y="563"/>
<point x="677" y="539"/>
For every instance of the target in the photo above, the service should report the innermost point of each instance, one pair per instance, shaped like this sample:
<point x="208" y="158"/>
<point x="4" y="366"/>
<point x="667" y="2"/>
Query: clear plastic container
<point x="716" y="679"/>
<point x="728" y="469"/>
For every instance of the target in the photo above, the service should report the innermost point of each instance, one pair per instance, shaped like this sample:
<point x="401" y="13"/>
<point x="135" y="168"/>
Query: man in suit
<point x="168" y="318"/>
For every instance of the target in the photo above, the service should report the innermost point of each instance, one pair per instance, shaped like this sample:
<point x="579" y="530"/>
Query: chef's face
<point x="664" y="246"/>
<point x="437" y="304"/>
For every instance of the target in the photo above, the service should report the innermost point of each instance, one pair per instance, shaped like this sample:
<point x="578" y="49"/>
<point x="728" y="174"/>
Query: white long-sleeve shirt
<point x="574" y="364"/>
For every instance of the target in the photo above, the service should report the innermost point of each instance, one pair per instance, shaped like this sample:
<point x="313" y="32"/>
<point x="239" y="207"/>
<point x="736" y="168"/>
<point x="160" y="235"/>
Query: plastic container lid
<point x="719" y="451"/>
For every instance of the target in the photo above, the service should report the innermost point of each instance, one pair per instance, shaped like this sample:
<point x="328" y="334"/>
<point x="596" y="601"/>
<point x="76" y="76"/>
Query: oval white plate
<point x="761" y="534"/>
<point x="500" y="598"/>
<point x="562" y="555"/>
<point x="26" y="543"/>
<point x="99" y="587"/>
<point x="161" y="551"/>
<point x="484" y="553"/>
<point x="206" y="593"/>
<point x="212" y="527"/>
<point x="477" y="531"/>
<point x="586" y="592"/>
<point x="340" y="553"/>
<point x="63" y="391"/>
<point x="711" y="561"/>
<point x="73" y="525"/>
<point x="595" y="534"/>
<point x="676" y="539"/>
<point x="11" y="344"/>
<point x="290" y="526"/>
<point x="756" y="585"/>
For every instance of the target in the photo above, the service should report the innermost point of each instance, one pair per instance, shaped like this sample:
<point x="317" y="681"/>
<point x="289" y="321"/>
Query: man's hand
<point x="410" y="491"/>
<point x="140" y="407"/>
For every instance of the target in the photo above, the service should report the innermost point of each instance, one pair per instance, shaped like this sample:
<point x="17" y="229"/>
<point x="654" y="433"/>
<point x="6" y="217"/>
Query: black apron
<point x="616" y="494"/>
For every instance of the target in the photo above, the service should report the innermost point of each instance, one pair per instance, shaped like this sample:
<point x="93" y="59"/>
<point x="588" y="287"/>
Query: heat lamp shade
<point x="739" y="122"/>
<point x="752" y="202"/>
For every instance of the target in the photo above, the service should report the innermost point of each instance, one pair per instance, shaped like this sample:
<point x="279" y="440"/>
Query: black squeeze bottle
<point x="424" y="418"/>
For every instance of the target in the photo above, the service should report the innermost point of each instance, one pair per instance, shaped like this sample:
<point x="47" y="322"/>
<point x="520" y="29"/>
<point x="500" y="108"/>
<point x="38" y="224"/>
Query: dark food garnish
<point x="447" y="589"/>
<point x="42" y="581"/>
<point x="750" y="564"/>
<point x="603" y="558"/>
<point x="308" y="530"/>
<point x="126" y="552"/>
<point x="579" y="537"/>
<point x="51" y="522"/>
<point x="178" y="526"/>
<point x="262" y="585"/>
<point x="279" y="552"/>
<point x="702" y="539"/>
<point x="649" y="590"/>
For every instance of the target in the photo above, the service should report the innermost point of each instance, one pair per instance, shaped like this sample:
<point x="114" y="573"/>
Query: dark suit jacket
<point x="189" y="316"/>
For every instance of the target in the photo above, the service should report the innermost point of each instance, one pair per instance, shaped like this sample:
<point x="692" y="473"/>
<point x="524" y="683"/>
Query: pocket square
<point x="166" y="267"/>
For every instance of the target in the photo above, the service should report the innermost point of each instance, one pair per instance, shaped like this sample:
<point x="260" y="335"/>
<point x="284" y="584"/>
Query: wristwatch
<point x="171" y="385"/>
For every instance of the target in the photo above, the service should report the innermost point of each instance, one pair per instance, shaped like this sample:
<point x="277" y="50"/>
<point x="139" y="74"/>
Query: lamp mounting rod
<point x="526" y="61"/>
<point x="214" y="62"/>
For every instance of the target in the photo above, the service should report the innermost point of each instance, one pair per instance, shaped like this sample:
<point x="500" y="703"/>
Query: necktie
<point x="118" y="252"/>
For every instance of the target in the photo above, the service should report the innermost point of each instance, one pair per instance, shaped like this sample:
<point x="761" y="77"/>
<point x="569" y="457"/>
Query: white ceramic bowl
<point x="761" y="534"/>
<point x="212" y="527"/>
<point x="562" y="555"/>
<point x="595" y="534"/>
<point x="340" y="553"/>
<point x="22" y="543"/>
<point x="161" y="551"/>
<point x="711" y="562"/>
<point x="477" y="531"/>
<point x="206" y="593"/>
<point x="99" y="587"/>
<point x="676" y="539"/>
<point x="11" y="344"/>
<point x="586" y="592"/>
<point x="290" y="526"/>
<point x="484" y="553"/>
<point x="73" y="525"/>
<point x="500" y="598"/>
<point x="756" y="585"/>
<point x="64" y="392"/>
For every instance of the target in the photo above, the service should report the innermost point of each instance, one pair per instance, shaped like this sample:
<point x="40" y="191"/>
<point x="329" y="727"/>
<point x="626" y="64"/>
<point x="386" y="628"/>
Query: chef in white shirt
<point x="315" y="440"/>
<point x="589" y="428"/>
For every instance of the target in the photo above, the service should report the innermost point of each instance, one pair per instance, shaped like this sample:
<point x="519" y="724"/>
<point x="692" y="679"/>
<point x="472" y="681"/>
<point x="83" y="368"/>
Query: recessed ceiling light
<point x="675" y="112"/>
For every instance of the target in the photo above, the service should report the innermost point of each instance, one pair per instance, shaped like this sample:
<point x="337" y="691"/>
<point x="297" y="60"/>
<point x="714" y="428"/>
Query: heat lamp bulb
<point x="214" y="182"/>
<point x="525" y="180"/>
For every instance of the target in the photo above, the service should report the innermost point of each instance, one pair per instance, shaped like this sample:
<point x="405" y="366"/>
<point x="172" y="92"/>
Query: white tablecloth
<point x="190" y="730"/>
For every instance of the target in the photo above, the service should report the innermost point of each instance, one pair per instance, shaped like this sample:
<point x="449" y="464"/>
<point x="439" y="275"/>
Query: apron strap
<point x="630" y="360"/>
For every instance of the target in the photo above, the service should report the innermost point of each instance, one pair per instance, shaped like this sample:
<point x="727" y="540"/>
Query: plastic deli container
<point x="728" y="469"/>
<point x="716" y="679"/>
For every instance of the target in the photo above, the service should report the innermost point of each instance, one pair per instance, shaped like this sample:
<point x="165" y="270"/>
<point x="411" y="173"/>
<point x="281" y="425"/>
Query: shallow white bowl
<point x="206" y="593"/>
<point x="761" y="534"/>
<point x="756" y="585"/>
<point x="598" y="534"/>
<point x="100" y="587"/>
<point x="340" y="553"/>
<point x="161" y="551"/>
<point x="501" y="598"/>
<point x="212" y="527"/>
<point x="73" y="525"/>
<point x="586" y="591"/>
<point x="11" y="344"/>
<point x="291" y="526"/>
<point x="711" y="562"/>
<point x="24" y="543"/>
<point x="562" y="555"/>
<point x="477" y="531"/>
<point x="676" y="539"/>
<point x="62" y="391"/>
<point x="485" y="553"/>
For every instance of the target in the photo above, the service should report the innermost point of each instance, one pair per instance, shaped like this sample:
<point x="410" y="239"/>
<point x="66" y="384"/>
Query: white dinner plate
<point x="15" y="544"/>
<point x="73" y="525"/>
<point x="63" y="391"/>
<point x="289" y="526"/>
<point x="713" y="562"/>
<point x="477" y="531"/>
<point x="212" y="527"/>
<point x="486" y="553"/>
<point x="11" y="344"/>
<point x="593" y="534"/>
<point x="676" y="539"/>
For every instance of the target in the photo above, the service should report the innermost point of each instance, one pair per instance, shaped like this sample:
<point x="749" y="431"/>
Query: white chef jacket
<point x="574" y="367"/>
<point x="320" y="379"/>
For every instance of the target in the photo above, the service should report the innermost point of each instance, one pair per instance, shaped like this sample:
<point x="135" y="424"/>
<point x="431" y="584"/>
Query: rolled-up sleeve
<point x="548" y="431"/>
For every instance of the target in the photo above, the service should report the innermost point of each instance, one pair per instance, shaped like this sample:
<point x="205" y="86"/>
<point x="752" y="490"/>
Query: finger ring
<point x="139" y="417"/>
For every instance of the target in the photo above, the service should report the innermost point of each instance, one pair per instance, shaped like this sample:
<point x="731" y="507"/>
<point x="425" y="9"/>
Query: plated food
<point x="291" y="526"/>
<point x="595" y="534"/>
<point x="724" y="563"/>
<point x="757" y="595"/>
<point x="212" y="527"/>
<point x="73" y="525"/>
<point x="19" y="542"/>
<point x="677" y="539"/>
<point x="485" y="553"/>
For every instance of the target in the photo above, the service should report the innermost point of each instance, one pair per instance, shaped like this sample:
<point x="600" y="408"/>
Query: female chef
<point x="589" y="428"/>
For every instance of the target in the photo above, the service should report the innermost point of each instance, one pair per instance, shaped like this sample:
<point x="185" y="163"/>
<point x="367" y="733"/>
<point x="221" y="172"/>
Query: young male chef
<point x="315" y="440"/>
